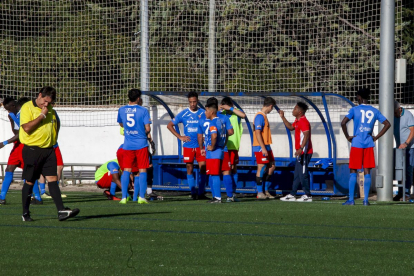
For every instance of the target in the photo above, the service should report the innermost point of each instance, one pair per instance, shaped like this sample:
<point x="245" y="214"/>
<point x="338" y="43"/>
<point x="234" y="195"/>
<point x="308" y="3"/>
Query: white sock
<point x="149" y="191"/>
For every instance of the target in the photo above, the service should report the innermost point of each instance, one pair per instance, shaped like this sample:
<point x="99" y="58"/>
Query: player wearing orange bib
<point x="262" y="139"/>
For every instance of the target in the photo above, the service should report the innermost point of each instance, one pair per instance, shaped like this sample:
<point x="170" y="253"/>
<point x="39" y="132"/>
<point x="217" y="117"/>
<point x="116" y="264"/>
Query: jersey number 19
<point x="369" y="115"/>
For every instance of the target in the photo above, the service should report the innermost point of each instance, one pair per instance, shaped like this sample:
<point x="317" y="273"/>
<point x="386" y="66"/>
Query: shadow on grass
<point x="78" y="218"/>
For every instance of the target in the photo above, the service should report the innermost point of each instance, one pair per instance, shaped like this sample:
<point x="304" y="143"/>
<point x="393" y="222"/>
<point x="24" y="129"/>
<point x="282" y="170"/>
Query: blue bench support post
<point x="323" y="122"/>
<point x="328" y="118"/>
<point x="180" y="155"/>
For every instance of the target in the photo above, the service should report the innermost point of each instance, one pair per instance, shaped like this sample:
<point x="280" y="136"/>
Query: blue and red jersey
<point x="364" y="117"/>
<point x="134" y="118"/>
<point x="190" y="120"/>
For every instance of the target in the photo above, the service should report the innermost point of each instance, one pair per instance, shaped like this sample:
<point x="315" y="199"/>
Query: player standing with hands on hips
<point x="38" y="133"/>
<point x="363" y="143"/>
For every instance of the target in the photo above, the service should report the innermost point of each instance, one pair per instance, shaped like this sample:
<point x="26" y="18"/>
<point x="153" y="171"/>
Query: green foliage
<point x="90" y="49"/>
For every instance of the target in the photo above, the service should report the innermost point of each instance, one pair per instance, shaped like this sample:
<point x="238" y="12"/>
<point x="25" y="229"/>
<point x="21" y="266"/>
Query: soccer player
<point x="363" y="143"/>
<point x="215" y="142"/>
<point x="108" y="176"/>
<point x="230" y="176"/>
<point x="38" y="133"/>
<point x="15" y="158"/>
<point x="262" y="139"/>
<point x="303" y="152"/>
<point x="190" y="117"/>
<point x="136" y="122"/>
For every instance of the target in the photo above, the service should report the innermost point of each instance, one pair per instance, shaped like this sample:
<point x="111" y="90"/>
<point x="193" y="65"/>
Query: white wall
<point x="98" y="144"/>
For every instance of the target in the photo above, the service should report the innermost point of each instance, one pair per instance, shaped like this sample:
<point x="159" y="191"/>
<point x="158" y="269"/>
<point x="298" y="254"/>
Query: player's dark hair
<point x="304" y="107"/>
<point x="364" y="93"/>
<point x="192" y="95"/>
<point x="48" y="91"/>
<point x="212" y="100"/>
<point x="7" y="100"/>
<point x="227" y="101"/>
<point x="212" y="105"/>
<point x="134" y="94"/>
<point x="22" y="101"/>
<point x="269" y="101"/>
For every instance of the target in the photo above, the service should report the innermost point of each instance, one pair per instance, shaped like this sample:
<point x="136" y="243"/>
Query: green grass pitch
<point x="178" y="236"/>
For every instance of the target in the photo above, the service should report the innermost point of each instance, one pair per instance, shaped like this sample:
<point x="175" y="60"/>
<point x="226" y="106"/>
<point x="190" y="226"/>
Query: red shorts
<point x="234" y="157"/>
<point x="59" y="159"/>
<point x="120" y="157"/>
<point x="261" y="159"/>
<point x="225" y="165"/>
<point x="213" y="166"/>
<point x="361" y="158"/>
<point x="189" y="155"/>
<point x="105" y="181"/>
<point x="16" y="158"/>
<point x="139" y="157"/>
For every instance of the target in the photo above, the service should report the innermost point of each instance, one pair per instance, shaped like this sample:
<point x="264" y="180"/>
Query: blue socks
<point x="136" y="188"/>
<point x="267" y="185"/>
<point x="210" y="184"/>
<point x="142" y="184"/>
<point x="8" y="178"/>
<point x="235" y="181"/>
<point x="112" y="190"/>
<point x="216" y="186"/>
<point x="228" y="182"/>
<point x="367" y="185"/>
<point x="36" y="191"/>
<point x="42" y="188"/>
<point x="125" y="183"/>
<point x="191" y="183"/>
<point x="202" y="184"/>
<point x="352" y="183"/>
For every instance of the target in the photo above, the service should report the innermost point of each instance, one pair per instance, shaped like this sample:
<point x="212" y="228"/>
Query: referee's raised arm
<point x="38" y="134"/>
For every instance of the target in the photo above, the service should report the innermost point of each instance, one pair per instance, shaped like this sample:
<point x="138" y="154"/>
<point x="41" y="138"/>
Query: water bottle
<point x="326" y="198"/>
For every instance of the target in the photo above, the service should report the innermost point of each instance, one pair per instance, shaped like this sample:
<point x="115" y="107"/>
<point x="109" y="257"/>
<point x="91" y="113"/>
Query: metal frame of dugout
<point x="170" y="171"/>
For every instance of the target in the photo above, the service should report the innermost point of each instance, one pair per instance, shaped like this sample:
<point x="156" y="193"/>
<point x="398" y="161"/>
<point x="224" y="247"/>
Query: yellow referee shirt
<point x="45" y="134"/>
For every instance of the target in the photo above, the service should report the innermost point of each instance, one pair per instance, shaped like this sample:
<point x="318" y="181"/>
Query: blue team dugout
<point x="331" y="150"/>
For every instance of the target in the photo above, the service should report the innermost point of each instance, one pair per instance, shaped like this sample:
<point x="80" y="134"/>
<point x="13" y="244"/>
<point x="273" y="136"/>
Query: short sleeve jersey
<point x="45" y="135"/>
<point x="218" y="126"/>
<point x="402" y="128"/>
<point x="16" y="120"/>
<point x="190" y="121"/>
<point x="204" y="124"/>
<point x="134" y="118"/>
<point x="259" y="124"/>
<point x="302" y="125"/>
<point x="364" y="117"/>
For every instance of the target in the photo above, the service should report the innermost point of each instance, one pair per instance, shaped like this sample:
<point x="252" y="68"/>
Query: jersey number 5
<point x="130" y="120"/>
<point x="369" y="114"/>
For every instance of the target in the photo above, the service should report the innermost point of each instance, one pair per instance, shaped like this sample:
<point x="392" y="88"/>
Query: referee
<point x="38" y="132"/>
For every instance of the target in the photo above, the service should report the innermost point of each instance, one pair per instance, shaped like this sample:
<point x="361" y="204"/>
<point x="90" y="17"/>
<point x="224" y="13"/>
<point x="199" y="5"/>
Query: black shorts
<point x="38" y="161"/>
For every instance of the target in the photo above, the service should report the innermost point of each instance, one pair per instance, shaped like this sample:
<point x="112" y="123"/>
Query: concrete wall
<point x="98" y="144"/>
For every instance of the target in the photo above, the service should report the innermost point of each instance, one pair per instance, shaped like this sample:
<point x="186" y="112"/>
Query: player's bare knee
<point x="51" y="178"/>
